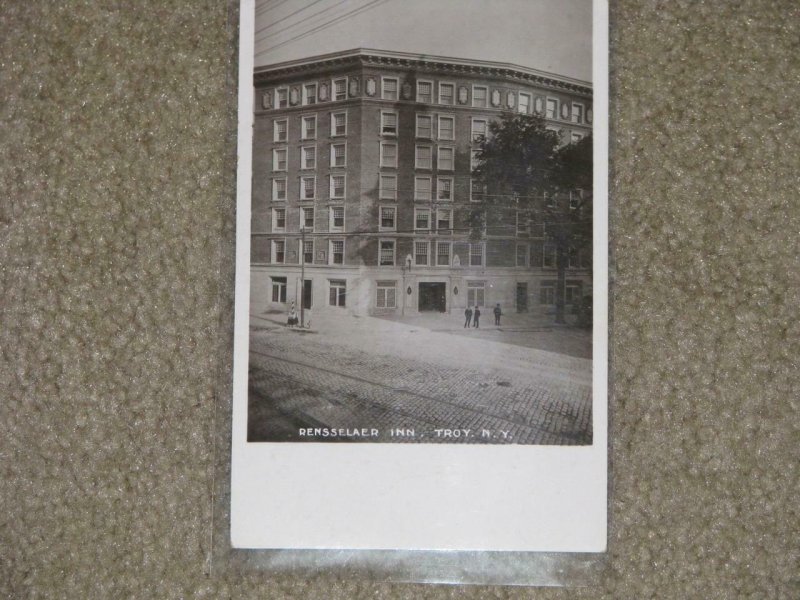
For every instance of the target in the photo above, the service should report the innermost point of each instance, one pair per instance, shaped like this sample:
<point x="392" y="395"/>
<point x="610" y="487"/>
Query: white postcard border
<point x="427" y="496"/>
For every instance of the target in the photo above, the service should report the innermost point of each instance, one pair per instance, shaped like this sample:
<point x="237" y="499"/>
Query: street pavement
<point x="366" y="379"/>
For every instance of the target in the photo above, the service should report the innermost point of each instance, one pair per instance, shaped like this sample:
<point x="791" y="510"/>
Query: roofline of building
<point x="407" y="59"/>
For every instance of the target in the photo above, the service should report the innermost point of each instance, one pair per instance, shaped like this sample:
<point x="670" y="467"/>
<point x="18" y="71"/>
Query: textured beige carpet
<point x="116" y="225"/>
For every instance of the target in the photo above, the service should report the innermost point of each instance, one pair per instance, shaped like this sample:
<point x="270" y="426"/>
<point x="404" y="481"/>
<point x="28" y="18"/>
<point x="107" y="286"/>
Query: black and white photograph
<point x="421" y="222"/>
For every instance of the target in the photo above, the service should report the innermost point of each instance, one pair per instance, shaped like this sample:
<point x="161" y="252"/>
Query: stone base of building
<point x="397" y="291"/>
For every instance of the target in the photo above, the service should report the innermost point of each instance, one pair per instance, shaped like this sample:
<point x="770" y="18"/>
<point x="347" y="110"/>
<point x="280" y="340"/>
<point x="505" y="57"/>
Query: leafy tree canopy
<point x="518" y="156"/>
<point x="521" y="156"/>
<point x="518" y="163"/>
<point x="573" y="168"/>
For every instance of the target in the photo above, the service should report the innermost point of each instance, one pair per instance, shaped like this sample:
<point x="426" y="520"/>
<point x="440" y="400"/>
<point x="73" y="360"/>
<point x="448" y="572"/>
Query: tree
<point x="522" y="166"/>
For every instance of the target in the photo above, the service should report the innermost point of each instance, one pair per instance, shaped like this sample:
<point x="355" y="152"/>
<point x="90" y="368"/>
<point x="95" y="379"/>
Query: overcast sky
<point x="550" y="35"/>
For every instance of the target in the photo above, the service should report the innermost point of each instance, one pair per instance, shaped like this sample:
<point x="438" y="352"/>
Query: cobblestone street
<point x="437" y="388"/>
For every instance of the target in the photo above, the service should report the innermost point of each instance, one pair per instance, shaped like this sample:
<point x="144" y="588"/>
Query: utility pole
<point x="302" y="254"/>
<point x="403" y="291"/>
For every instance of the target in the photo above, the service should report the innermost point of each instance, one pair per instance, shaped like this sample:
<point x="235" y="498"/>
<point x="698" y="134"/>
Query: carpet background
<point x="116" y="230"/>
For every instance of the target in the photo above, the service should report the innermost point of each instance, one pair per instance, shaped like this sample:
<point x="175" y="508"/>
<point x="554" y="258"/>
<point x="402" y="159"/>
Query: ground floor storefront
<point x="372" y="291"/>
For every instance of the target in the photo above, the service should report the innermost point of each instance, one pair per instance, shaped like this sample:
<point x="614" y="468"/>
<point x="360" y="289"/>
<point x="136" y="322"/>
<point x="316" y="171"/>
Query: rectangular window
<point x="474" y="161"/>
<point x="422" y="189"/>
<point x="573" y="294"/>
<point x="387" y="222"/>
<point x="447" y="128"/>
<point x="444" y="220"/>
<point x="309" y="128"/>
<point x="338" y="292"/>
<point x="524" y="104"/>
<point x="575" y="199"/>
<point x="337" y="252"/>
<point x="308" y="157"/>
<point x="421" y="253"/>
<point x="338" y="155"/>
<point x="442" y="254"/>
<point x="388" y="187"/>
<point x="552" y="108"/>
<point x="278" y="251"/>
<point x="425" y="92"/>
<point x="308" y="251"/>
<point x="388" y="123"/>
<point x="444" y="189"/>
<point x="279" y="159"/>
<point x="480" y="95"/>
<point x="339" y="124"/>
<point x="549" y="200"/>
<point x="387" y="294"/>
<point x="476" y="293"/>
<point x="389" y="91"/>
<point x="447" y="92"/>
<point x="549" y="257"/>
<point x="572" y="258"/>
<point x="422" y="218"/>
<point x="522" y="255"/>
<point x="279" y="189"/>
<point x="282" y="96"/>
<point x="308" y="188"/>
<point x="340" y="89"/>
<point x="310" y="93"/>
<point x="386" y="258"/>
<point x="280" y="130"/>
<point x="477" y="191"/>
<point x="278" y="219"/>
<point x="523" y="224"/>
<point x="479" y="128"/>
<point x="476" y="254"/>
<point x="308" y="218"/>
<point x="388" y="154"/>
<point x="279" y="289"/>
<point x="424" y="126"/>
<point x="445" y="160"/>
<point x="547" y="294"/>
<point x="337" y="218"/>
<point x="337" y="186"/>
<point x="423" y="157"/>
<point x="577" y="113"/>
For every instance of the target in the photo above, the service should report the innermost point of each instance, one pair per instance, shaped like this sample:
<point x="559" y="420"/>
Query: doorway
<point x="433" y="296"/>
<point x="307" y="295"/>
<point x="522" y="297"/>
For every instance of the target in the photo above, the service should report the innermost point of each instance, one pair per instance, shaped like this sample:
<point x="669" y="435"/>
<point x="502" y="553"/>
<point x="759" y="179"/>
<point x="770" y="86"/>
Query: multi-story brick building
<point x="362" y="166"/>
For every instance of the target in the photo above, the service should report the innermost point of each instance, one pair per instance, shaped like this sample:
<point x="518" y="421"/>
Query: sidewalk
<point x="446" y="344"/>
<point x="508" y="322"/>
<point x="519" y="329"/>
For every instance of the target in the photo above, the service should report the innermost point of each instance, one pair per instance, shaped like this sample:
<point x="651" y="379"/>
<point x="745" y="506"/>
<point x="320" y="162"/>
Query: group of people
<point x="473" y="317"/>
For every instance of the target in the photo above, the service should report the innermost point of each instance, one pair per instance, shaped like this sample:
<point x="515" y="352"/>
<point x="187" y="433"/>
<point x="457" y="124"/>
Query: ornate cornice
<point x="447" y="66"/>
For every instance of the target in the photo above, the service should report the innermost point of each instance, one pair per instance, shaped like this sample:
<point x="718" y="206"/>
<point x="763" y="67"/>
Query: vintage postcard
<point x="421" y="310"/>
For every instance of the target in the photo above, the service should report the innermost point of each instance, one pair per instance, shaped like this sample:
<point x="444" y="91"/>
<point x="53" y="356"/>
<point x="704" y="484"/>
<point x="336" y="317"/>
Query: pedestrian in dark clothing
<point x="476" y="317"/>
<point x="497" y="313"/>
<point x="468" y="315"/>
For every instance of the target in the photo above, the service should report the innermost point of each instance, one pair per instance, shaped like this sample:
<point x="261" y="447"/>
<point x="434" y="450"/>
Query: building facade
<point x="362" y="187"/>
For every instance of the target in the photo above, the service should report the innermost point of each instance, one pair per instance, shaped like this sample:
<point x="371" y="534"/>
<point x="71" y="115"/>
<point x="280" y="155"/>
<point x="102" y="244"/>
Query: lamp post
<point x="405" y="266"/>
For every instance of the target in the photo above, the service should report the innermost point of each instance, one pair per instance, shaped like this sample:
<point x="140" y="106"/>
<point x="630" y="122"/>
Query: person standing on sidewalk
<point x="468" y="315"/>
<point x="476" y="316"/>
<point x="497" y="313"/>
